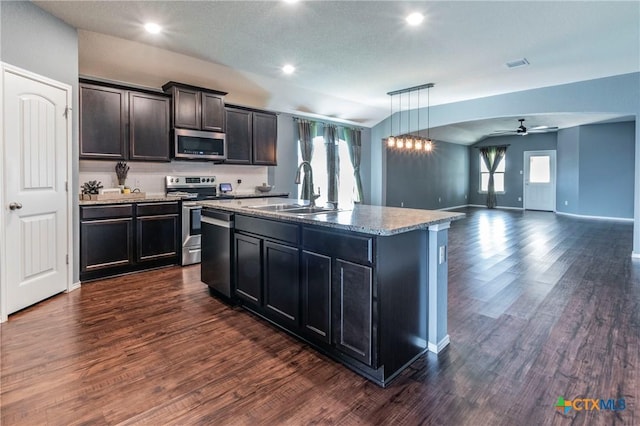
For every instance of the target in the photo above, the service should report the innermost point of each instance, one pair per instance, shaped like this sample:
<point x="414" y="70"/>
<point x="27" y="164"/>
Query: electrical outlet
<point x="401" y="203"/>
<point x="519" y="198"/>
<point x="136" y="183"/>
<point x="439" y="199"/>
<point x="465" y="197"/>
<point x="442" y="255"/>
<point x="566" y="203"/>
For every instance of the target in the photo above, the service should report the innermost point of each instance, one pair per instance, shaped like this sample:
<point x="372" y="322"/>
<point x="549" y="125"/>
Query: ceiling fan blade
<point x="503" y="132"/>
<point x="543" y="129"/>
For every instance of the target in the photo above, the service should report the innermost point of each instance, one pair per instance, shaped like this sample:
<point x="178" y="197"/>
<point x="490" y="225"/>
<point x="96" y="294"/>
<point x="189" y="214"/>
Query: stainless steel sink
<point x="276" y="207"/>
<point x="309" y="210"/>
<point x="297" y="209"/>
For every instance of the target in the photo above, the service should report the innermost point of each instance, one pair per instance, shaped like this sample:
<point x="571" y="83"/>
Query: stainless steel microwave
<point x="199" y="145"/>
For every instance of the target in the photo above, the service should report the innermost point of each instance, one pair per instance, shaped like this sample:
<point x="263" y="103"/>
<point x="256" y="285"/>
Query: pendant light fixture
<point x="408" y="141"/>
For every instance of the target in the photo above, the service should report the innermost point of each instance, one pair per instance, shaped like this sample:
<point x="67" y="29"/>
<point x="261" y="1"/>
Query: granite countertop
<point x="150" y="198"/>
<point x="376" y="220"/>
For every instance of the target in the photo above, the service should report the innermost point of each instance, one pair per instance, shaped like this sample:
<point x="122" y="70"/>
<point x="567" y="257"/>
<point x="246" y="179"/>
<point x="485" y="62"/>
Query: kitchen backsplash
<point x="149" y="177"/>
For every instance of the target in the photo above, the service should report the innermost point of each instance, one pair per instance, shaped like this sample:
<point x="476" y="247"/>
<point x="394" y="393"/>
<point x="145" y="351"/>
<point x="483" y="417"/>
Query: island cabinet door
<point x="353" y="321"/>
<point x="281" y="282"/>
<point x="248" y="257"/>
<point x="316" y="295"/>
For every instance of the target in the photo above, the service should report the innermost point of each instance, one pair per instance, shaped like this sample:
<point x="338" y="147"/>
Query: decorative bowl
<point x="264" y="188"/>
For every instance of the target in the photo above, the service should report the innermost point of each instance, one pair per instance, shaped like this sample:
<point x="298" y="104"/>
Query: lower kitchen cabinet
<point x="281" y="282"/>
<point x="106" y="243"/>
<point x="316" y="295"/>
<point x="122" y="238"/>
<point x="248" y="260"/>
<point x="153" y="243"/>
<point x="353" y="314"/>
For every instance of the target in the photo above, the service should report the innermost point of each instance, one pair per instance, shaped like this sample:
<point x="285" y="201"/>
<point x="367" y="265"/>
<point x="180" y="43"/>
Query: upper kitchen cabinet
<point x="196" y="108"/>
<point x="103" y="117"/>
<point x="251" y="136"/>
<point x="148" y="127"/>
<point x="118" y="123"/>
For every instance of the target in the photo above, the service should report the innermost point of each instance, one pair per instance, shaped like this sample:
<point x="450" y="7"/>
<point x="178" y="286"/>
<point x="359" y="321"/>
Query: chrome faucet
<point x="314" y="197"/>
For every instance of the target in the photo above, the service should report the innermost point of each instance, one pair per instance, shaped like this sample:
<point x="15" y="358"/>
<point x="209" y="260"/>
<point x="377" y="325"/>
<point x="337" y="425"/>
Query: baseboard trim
<point x="482" y="206"/>
<point x="455" y="207"/>
<point x="635" y="255"/>
<point x="437" y="348"/>
<point x="74" y="286"/>
<point x="584" y="216"/>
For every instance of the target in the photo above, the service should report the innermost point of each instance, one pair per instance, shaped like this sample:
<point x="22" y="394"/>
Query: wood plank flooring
<point x="540" y="306"/>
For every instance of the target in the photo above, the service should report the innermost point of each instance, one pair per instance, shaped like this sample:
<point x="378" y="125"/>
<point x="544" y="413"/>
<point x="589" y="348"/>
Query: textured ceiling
<point x="349" y="54"/>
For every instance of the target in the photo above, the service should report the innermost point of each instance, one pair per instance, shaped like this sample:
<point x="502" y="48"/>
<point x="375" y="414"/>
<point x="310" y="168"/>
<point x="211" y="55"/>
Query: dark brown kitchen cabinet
<point x="117" y="123"/>
<point x="353" y="313"/>
<point x="248" y="258"/>
<point x="122" y="238"/>
<point x="148" y="127"/>
<point x="239" y="136"/>
<point x="316" y="295"/>
<point x="252" y="136"/>
<point x="281" y="282"/>
<point x="106" y="240"/>
<point x="212" y="112"/>
<point x="103" y="118"/>
<point x="265" y="138"/>
<point x="158" y="228"/>
<point x="196" y="108"/>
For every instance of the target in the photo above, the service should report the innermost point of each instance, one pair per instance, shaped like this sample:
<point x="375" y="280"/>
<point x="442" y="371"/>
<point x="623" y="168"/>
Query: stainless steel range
<point x="190" y="189"/>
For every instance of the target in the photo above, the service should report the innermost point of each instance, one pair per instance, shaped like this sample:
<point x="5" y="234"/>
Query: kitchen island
<point x="366" y="286"/>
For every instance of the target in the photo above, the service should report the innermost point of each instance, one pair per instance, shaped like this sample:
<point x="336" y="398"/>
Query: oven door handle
<point x="217" y="222"/>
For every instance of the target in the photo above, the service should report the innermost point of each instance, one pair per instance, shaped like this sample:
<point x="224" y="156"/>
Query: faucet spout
<point x="313" y="196"/>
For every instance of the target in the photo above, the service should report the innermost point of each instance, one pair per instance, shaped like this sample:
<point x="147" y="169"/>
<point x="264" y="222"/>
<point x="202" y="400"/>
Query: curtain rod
<point x="296" y="118"/>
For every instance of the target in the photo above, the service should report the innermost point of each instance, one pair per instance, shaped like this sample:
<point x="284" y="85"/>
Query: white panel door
<point x="35" y="170"/>
<point x="540" y="180"/>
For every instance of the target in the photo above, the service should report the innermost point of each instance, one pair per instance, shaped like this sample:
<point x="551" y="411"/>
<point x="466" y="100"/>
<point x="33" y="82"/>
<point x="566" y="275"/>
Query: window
<point x="498" y="176"/>
<point x="346" y="179"/>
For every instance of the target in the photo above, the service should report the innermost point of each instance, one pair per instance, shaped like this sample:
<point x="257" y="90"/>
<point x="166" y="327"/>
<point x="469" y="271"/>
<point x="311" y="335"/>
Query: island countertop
<point x="367" y="219"/>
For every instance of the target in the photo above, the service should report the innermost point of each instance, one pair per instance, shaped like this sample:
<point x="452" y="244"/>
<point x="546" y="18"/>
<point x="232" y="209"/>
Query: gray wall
<point x="568" y="171"/>
<point x="513" y="183"/>
<point x="605" y="171"/>
<point x="436" y="180"/>
<point x="38" y="42"/>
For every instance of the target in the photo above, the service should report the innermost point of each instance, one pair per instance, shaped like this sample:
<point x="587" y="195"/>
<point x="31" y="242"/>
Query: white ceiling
<point x="349" y="54"/>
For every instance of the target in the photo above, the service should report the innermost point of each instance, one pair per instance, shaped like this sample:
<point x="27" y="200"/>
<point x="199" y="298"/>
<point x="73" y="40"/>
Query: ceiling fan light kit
<point x="409" y="142"/>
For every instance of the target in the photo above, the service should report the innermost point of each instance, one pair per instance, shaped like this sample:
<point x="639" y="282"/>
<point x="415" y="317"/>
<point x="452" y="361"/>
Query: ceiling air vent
<point x="517" y="63"/>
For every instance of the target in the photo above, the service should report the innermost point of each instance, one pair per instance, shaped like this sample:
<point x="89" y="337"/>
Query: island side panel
<point x="402" y="288"/>
<point x="438" y="261"/>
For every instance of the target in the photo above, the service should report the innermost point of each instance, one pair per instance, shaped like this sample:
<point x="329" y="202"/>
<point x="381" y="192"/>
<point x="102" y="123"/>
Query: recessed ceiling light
<point x="152" y="27"/>
<point x="415" y="18"/>
<point x="288" y="69"/>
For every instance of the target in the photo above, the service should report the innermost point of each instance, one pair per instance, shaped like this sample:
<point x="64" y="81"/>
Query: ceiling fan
<point x="523" y="131"/>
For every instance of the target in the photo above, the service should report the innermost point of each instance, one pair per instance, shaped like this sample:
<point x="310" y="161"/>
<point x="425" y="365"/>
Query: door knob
<point x="15" y="206"/>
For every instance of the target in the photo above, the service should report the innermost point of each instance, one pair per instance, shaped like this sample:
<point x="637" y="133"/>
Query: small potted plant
<point x="90" y="188"/>
<point x="121" y="172"/>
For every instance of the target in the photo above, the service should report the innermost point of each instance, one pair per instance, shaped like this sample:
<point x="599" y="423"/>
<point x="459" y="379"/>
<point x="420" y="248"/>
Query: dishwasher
<point x="217" y="252"/>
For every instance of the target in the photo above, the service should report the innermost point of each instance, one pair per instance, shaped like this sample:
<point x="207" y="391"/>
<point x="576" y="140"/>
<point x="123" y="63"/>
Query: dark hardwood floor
<point x="540" y="306"/>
